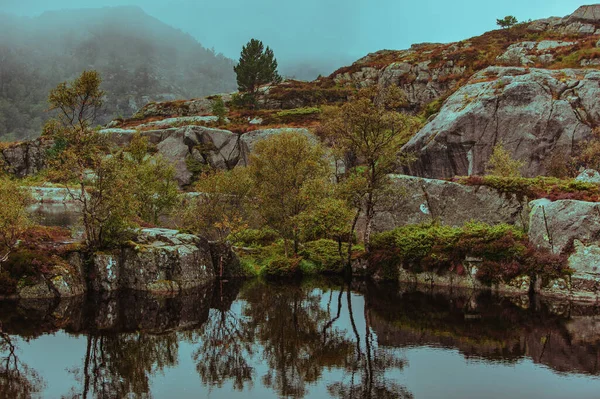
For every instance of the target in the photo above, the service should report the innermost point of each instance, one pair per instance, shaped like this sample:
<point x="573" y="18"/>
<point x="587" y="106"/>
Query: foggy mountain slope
<point x="140" y="59"/>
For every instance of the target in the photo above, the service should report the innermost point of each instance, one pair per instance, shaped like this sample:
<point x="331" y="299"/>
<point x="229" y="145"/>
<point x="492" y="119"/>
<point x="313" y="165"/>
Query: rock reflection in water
<point x="287" y="340"/>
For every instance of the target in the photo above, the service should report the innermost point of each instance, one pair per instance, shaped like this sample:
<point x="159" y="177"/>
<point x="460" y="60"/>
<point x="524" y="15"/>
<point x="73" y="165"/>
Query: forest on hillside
<point x="140" y="59"/>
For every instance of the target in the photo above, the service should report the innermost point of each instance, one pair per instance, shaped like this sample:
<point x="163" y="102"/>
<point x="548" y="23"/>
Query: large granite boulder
<point x="25" y="158"/>
<point x="535" y="112"/>
<point x="187" y="145"/>
<point x="589" y="13"/>
<point x="556" y="225"/>
<point x="573" y="228"/>
<point x="159" y="260"/>
<point x="424" y="200"/>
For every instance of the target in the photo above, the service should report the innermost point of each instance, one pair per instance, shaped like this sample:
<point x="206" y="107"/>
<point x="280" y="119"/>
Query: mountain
<point x="140" y="59"/>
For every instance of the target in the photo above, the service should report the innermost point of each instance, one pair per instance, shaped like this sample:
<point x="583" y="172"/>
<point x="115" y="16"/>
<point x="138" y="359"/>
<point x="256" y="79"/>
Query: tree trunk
<point x="350" y="242"/>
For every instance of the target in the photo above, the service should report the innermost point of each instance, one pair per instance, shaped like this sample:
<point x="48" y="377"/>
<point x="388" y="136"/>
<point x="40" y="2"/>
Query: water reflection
<point x="309" y="339"/>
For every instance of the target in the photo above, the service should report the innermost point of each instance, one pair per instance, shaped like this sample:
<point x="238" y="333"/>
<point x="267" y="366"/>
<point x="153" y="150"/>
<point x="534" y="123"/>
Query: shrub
<point x="281" y="266"/>
<point x="504" y="250"/>
<point x="538" y="187"/>
<point x="256" y="238"/>
<point x="502" y="164"/>
<point x="325" y="255"/>
<point x="218" y="109"/>
<point x="290" y="115"/>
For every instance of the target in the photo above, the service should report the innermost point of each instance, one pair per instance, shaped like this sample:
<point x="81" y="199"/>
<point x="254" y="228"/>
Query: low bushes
<point x="537" y="187"/>
<point x="504" y="250"/>
<point x="315" y="257"/>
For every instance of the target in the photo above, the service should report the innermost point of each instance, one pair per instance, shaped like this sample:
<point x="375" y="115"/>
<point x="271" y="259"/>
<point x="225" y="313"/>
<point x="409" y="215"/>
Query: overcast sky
<point x="310" y="29"/>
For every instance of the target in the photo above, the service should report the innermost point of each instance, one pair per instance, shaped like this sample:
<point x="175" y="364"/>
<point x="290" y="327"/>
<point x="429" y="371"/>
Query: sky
<point x="336" y="30"/>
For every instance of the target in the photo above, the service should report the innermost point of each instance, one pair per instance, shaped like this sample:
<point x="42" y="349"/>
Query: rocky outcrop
<point x="188" y="147"/>
<point x="532" y="53"/>
<point x="589" y="176"/>
<point x="192" y="148"/>
<point x="25" y="158"/>
<point x="63" y="281"/>
<point x="572" y="228"/>
<point x="159" y="260"/>
<point x="421" y="82"/>
<point x="534" y="112"/>
<point x="555" y="225"/>
<point x="425" y="200"/>
<point x="199" y="106"/>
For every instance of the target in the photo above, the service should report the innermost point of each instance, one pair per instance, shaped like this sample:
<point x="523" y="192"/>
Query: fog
<point x="320" y="34"/>
<point x="165" y="50"/>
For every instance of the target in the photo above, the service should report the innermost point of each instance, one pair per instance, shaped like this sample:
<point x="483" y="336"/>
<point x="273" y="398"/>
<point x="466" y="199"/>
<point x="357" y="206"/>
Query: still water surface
<point x="313" y="339"/>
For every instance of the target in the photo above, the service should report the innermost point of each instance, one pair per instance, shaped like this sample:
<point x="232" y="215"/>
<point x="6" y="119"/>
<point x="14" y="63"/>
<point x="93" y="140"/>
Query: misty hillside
<point x="140" y="59"/>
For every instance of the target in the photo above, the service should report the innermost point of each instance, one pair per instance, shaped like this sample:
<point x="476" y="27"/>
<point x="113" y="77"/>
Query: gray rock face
<point x="422" y="83"/>
<point x="589" y="13"/>
<point x="589" y="176"/>
<point x="452" y="204"/>
<point x="179" y="108"/>
<point x="63" y="282"/>
<point x="25" y="158"/>
<point x="50" y="195"/>
<point x="160" y="260"/>
<point x="216" y="148"/>
<point x="571" y="227"/>
<point x="199" y="145"/>
<point x="528" y="53"/>
<point x="534" y="112"/>
<point x="555" y="225"/>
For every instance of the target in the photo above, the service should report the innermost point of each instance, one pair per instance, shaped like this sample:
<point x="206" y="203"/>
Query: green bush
<point x="255" y="238"/>
<point x="537" y="187"/>
<point x="281" y="266"/>
<point x="290" y="115"/>
<point x="504" y="250"/>
<point x="324" y="254"/>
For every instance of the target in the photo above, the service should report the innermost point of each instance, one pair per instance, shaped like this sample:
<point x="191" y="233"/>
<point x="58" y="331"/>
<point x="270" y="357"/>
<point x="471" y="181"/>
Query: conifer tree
<point x="257" y="66"/>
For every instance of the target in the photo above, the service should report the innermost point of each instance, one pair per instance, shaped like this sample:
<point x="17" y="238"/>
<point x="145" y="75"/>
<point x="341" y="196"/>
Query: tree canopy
<point x="257" y="66"/>
<point x="507" y="21"/>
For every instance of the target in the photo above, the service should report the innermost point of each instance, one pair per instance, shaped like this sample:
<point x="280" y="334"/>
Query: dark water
<point x="311" y="339"/>
<point x="55" y="214"/>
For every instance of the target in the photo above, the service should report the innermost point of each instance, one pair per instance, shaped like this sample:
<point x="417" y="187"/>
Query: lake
<point x="315" y="338"/>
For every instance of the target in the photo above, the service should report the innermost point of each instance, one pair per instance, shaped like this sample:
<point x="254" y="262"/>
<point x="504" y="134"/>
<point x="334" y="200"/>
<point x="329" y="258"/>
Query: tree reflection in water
<point x="17" y="380"/>
<point x="301" y="336"/>
<point x="118" y="365"/>
<point x="225" y="343"/>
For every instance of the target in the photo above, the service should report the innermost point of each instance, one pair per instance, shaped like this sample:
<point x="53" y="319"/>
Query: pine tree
<point x="257" y="66"/>
<point x="507" y="22"/>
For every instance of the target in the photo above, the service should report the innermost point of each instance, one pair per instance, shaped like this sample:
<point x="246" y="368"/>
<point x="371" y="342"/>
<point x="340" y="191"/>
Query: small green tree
<point x="370" y="130"/>
<point x="507" y="22"/>
<point x="289" y="173"/>
<point x="220" y="209"/>
<point x="14" y="219"/>
<point x="257" y="66"/>
<point x="218" y="109"/>
<point x="502" y="164"/>
<point x="155" y="187"/>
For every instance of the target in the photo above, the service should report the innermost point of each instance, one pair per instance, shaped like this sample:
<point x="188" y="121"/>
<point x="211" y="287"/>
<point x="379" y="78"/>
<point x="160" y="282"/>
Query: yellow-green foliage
<point x="537" y="187"/>
<point x="502" y="164"/>
<point x="327" y="255"/>
<point x="253" y="238"/>
<point x="290" y="115"/>
<point x="14" y="219"/>
<point x="503" y="249"/>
